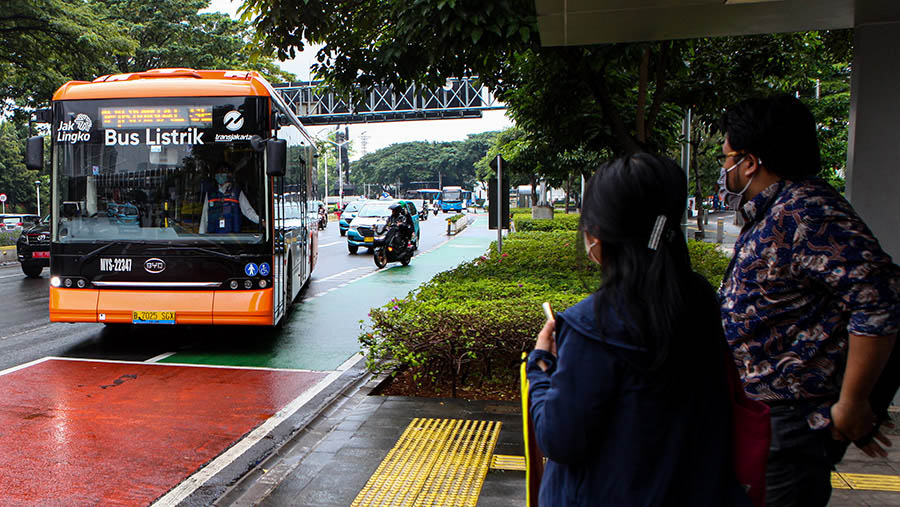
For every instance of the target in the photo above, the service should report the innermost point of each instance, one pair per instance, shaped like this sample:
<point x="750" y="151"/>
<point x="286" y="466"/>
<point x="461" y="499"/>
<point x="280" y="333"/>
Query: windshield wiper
<point x="96" y="252"/>
<point x="233" y="257"/>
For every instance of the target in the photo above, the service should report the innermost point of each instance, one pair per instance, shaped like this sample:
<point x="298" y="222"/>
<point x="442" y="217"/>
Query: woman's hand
<point x="546" y="341"/>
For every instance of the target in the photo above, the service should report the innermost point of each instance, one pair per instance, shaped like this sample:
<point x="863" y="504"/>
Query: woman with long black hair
<point x="629" y="395"/>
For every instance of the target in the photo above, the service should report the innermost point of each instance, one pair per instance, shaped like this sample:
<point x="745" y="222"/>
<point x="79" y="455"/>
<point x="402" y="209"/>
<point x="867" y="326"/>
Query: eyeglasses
<point x="722" y="157"/>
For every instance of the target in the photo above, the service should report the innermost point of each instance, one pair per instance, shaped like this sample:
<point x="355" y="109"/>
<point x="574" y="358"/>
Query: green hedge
<point x="560" y="222"/>
<point x="472" y="323"/>
<point x="708" y="260"/>
<point x="8" y="238"/>
<point x="455" y="218"/>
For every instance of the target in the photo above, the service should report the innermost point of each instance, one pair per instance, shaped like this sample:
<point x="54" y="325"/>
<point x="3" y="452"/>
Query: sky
<point x="379" y="135"/>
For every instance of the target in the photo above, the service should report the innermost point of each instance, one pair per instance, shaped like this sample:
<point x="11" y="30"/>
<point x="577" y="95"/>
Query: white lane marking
<point x="221" y="367"/>
<point x="160" y="357"/>
<point x="26" y="331"/>
<point x="342" y="273"/>
<point x="331" y="244"/>
<point x="26" y="365"/>
<point x="11" y="276"/>
<point x="192" y="483"/>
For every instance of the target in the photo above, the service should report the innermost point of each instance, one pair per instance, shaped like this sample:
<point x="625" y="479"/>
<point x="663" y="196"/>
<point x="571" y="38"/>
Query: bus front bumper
<point x="224" y="307"/>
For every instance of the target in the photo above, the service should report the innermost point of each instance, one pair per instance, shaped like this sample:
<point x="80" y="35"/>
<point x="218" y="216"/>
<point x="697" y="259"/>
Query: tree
<point x="16" y="181"/>
<point x="173" y="33"/>
<point x="43" y="44"/>
<point x="451" y="163"/>
<point x="368" y="42"/>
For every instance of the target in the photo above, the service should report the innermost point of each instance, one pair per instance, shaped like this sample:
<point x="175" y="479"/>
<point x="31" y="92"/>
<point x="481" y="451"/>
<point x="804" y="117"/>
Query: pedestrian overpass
<point x="315" y="104"/>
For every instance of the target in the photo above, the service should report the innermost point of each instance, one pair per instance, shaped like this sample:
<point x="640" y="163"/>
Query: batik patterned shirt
<point x="806" y="273"/>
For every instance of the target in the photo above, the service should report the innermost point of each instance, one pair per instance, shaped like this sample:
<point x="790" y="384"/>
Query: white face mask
<point x="588" y="247"/>
<point x="731" y="199"/>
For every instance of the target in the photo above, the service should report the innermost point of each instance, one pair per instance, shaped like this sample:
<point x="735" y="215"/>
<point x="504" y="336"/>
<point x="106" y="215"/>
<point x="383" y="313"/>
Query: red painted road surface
<point x="85" y="432"/>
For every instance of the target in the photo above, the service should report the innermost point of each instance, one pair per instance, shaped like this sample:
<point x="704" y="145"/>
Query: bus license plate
<point x="152" y="317"/>
<point x="40" y="255"/>
<point x="369" y="239"/>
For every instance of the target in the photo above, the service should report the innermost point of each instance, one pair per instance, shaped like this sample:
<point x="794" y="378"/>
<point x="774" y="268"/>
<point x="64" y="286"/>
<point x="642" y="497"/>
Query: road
<point x="26" y="333"/>
<point x="189" y="408"/>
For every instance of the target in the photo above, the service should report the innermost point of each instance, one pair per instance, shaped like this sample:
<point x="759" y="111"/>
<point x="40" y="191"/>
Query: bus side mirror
<point x="34" y="153"/>
<point x="276" y="155"/>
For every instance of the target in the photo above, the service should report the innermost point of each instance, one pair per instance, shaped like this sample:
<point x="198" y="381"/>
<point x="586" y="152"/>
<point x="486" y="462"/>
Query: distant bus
<point x="192" y="191"/>
<point x="428" y="194"/>
<point x="455" y="199"/>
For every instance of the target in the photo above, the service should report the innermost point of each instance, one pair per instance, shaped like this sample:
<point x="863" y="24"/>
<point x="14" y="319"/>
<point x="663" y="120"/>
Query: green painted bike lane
<point x="321" y="332"/>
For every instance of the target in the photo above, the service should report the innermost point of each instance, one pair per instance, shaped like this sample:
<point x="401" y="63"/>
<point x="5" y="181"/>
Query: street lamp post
<point x="37" y="191"/>
<point x="340" y="175"/>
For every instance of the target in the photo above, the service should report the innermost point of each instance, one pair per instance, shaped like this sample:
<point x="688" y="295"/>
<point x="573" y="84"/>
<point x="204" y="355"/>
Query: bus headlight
<point x="81" y="283"/>
<point x="55" y="281"/>
<point x="248" y="284"/>
<point x="233" y="284"/>
<point x="68" y="282"/>
<point x="262" y="284"/>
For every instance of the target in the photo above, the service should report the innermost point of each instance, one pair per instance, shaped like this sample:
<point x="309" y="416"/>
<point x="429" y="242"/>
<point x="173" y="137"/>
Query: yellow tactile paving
<point x="838" y="482"/>
<point x="872" y="482"/>
<point x="504" y="462"/>
<point x="435" y="462"/>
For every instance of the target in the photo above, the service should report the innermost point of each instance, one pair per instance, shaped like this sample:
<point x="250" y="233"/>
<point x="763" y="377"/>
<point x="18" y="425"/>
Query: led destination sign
<point x="155" y="116"/>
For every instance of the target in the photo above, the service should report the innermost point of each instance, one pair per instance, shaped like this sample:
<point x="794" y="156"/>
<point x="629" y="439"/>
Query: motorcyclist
<point x="401" y="219"/>
<point x="323" y="216"/>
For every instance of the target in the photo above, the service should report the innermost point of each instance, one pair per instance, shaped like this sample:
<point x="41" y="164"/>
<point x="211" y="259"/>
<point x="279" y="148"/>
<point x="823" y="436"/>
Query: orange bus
<point x="179" y="196"/>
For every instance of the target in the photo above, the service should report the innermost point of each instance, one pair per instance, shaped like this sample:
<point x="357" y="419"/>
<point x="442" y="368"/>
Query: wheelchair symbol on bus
<point x="250" y="269"/>
<point x="264" y="269"/>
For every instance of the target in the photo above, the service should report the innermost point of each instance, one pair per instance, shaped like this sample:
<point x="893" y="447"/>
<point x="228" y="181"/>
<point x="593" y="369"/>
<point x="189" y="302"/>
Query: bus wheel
<point x="32" y="270"/>
<point x="352" y="248"/>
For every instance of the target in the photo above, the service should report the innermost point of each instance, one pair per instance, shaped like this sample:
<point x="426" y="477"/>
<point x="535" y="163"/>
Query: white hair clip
<point x="657" y="232"/>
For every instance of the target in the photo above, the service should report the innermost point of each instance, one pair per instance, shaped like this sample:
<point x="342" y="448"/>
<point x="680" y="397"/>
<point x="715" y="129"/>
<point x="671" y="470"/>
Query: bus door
<point x="279" y="249"/>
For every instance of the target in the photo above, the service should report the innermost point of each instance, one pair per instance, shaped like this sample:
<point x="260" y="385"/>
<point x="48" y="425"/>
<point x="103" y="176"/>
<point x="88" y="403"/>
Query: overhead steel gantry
<point x="315" y="105"/>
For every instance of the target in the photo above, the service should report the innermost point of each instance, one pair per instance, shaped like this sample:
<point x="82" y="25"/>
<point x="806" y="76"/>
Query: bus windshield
<point x="452" y="195"/>
<point x="161" y="169"/>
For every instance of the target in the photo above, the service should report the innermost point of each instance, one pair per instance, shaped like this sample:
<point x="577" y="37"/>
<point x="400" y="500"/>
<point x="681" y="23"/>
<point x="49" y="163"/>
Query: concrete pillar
<point x="873" y="156"/>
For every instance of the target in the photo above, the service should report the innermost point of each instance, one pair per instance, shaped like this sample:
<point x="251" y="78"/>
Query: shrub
<point x="455" y="218"/>
<point x="474" y="321"/>
<point x="560" y="222"/>
<point x="455" y="330"/>
<point x="8" y="238"/>
<point x="708" y="260"/>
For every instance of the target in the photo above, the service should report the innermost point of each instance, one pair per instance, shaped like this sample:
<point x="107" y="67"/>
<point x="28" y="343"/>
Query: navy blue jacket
<point x="616" y="435"/>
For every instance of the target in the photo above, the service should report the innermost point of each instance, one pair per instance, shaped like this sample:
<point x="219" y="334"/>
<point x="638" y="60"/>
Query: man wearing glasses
<point x="810" y="301"/>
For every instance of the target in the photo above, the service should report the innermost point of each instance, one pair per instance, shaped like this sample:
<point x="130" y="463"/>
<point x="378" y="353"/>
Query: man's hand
<point x="854" y="420"/>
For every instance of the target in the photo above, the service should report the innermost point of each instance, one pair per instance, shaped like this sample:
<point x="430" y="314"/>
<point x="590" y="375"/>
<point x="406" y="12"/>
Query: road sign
<point x="2" y="197"/>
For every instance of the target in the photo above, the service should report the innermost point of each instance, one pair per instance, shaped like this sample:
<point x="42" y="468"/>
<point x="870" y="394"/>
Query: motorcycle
<point x="323" y="220"/>
<point x="393" y="248"/>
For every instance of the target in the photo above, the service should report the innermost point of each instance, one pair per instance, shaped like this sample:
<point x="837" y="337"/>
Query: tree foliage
<point x="574" y="105"/>
<point x="450" y="163"/>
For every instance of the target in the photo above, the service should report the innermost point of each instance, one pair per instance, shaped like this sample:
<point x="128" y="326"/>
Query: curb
<point x="262" y="479"/>
<point x="454" y="228"/>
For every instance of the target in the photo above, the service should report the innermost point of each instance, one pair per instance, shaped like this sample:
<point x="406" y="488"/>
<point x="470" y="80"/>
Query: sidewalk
<point x="330" y="462"/>
<point x="710" y="228"/>
<point x="339" y="458"/>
